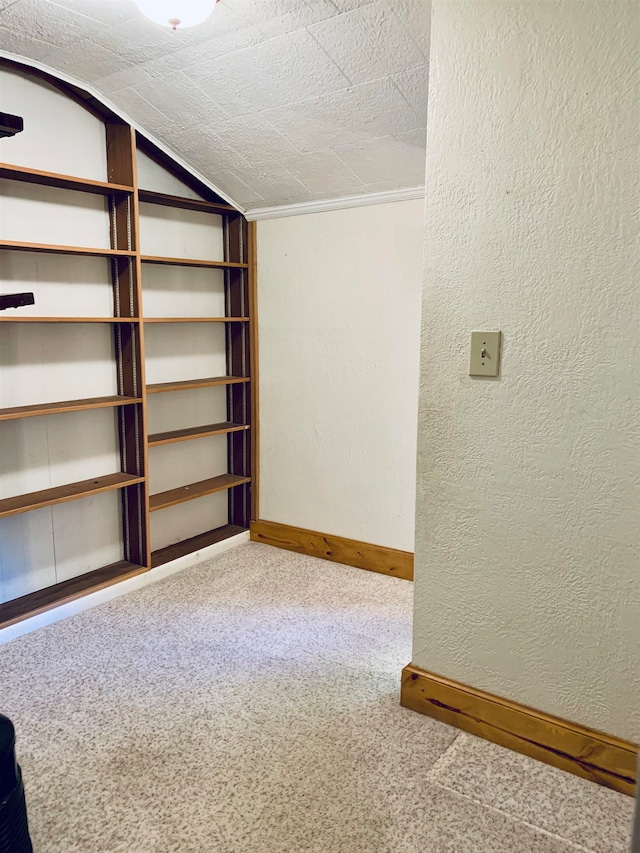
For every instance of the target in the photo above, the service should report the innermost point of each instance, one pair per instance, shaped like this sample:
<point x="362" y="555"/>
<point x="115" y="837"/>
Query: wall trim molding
<point x="324" y="205"/>
<point x="338" y="549"/>
<point x="594" y="755"/>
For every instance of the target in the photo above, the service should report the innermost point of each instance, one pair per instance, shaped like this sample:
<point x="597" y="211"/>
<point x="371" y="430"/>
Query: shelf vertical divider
<point x="129" y="340"/>
<point x="252" y="283"/>
<point x="238" y="364"/>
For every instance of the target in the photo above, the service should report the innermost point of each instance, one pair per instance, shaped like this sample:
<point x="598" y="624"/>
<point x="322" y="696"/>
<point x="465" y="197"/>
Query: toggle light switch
<point x="485" y="354"/>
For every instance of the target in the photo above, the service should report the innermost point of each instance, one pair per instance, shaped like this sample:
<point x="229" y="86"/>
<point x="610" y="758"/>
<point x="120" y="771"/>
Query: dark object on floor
<point x="10" y="125"/>
<point x="16" y="300"/>
<point x="14" y="831"/>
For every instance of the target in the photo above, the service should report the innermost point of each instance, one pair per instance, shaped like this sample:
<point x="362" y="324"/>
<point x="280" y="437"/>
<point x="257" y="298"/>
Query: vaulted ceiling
<point x="275" y="102"/>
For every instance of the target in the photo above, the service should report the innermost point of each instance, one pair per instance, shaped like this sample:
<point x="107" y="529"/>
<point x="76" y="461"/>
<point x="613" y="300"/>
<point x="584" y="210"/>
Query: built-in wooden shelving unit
<point x="123" y="198"/>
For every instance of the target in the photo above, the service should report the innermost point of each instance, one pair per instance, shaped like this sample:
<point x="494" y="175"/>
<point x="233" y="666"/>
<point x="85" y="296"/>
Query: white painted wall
<point x="339" y="314"/>
<point x="527" y="570"/>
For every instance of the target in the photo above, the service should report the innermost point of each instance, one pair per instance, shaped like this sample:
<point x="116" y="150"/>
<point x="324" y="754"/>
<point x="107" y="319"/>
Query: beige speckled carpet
<point x="250" y="705"/>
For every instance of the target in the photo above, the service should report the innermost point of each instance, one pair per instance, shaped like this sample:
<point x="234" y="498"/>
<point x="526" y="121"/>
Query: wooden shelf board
<point x="196" y="320"/>
<point x="61" y="593"/>
<point x="192" y="262"/>
<point x="54" y="249"/>
<point x="195" y="543"/>
<point x="172" y="436"/>
<point x="66" y="182"/>
<point x="221" y="483"/>
<point x="62" y="494"/>
<point x="22" y="319"/>
<point x="66" y="406"/>
<point x="151" y="197"/>
<point x="188" y="384"/>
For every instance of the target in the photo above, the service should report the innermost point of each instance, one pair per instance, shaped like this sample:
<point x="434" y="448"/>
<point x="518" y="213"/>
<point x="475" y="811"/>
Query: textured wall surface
<point x="274" y="101"/>
<point x="339" y="308"/>
<point x="527" y="564"/>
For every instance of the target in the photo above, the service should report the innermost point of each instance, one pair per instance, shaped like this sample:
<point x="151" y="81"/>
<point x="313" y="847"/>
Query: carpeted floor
<point x="250" y="705"/>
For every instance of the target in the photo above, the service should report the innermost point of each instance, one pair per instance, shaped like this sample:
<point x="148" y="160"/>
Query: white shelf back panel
<point x="180" y="351"/>
<point x="62" y="285"/>
<point x="41" y="453"/>
<point x="183" y="521"/>
<point x="153" y="176"/>
<point x="35" y="214"/>
<point x="175" y="233"/>
<point x="183" y="409"/>
<point x="46" y="363"/>
<point x="50" y="545"/>
<point x="174" y="465"/>
<point x="169" y="291"/>
<point x="59" y="135"/>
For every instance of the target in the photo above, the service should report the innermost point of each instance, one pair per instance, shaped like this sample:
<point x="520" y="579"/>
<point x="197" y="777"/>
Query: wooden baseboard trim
<point x="600" y="757"/>
<point x="351" y="552"/>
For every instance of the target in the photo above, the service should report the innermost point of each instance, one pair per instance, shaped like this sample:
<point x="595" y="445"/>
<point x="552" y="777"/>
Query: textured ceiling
<point x="273" y="101"/>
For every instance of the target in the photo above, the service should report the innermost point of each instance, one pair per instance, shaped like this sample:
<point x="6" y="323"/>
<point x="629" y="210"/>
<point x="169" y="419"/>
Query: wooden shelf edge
<point x="22" y="319"/>
<point x="196" y="320"/>
<point x="591" y="754"/>
<point x="34" y="603"/>
<point x="193" y="491"/>
<point x="152" y="197"/>
<point x="188" y="384"/>
<point x="194" y="543"/>
<point x="69" y="492"/>
<point x="193" y="262"/>
<point x="55" y="249"/>
<point x="10" y="172"/>
<point x="172" y="436"/>
<point x="66" y="406"/>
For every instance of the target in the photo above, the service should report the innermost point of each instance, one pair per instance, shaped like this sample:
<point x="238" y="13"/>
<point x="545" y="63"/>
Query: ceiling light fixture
<point x="177" y="13"/>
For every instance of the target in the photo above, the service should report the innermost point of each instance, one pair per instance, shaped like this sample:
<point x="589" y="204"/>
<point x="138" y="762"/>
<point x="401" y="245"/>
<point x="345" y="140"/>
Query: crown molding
<point x="99" y="96"/>
<point x="259" y="213"/>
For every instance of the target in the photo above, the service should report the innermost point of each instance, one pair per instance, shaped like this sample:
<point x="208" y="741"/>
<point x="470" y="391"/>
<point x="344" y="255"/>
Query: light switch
<point x="485" y="354"/>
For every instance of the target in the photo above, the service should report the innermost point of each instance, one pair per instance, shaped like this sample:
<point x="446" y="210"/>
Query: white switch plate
<point x="485" y="354"/>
